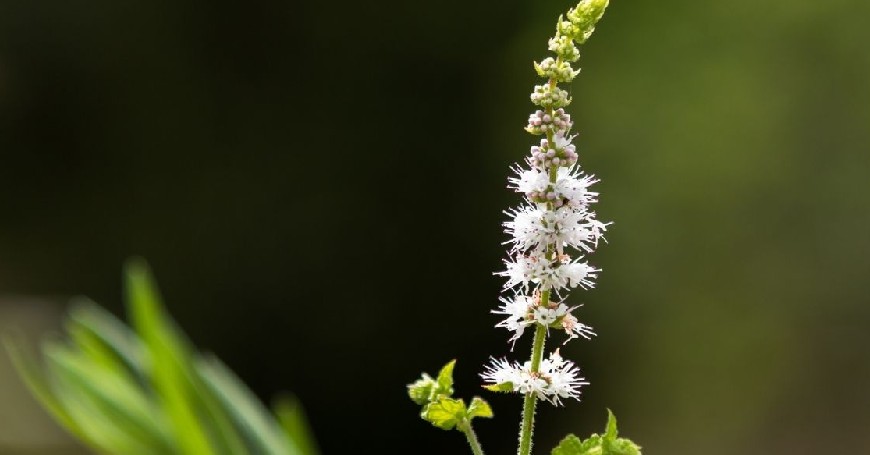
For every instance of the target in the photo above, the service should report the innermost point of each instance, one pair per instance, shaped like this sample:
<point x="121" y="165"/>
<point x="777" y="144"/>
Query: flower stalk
<point x="551" y="234"/>
<point x="554" y="219"/>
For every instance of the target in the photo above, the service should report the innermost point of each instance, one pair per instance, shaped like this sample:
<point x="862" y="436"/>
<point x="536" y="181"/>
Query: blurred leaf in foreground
<point x="147" y="390"/>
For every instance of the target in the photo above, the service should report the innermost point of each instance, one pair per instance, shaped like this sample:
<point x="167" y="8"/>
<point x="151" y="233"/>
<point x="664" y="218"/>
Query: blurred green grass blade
<point x="110" y="400"/>
<point x="232" y="441"/>
<point x="248" y="413"/>
<point x="170" y="360"/>
<point x="149" y="391"/>
<point x="110" y="332"/>
<point x="100" y="425"/>
<point x="291" y="417"/>
<point x="114" y="335"/>
<point x="35" y="379"/>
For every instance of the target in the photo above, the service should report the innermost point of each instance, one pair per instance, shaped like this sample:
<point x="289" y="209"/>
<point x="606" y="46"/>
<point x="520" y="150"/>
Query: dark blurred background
<point x="318" y="187"/>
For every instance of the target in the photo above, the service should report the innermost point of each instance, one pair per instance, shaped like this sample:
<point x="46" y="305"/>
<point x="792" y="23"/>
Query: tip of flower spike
<point x="583" y="18"/>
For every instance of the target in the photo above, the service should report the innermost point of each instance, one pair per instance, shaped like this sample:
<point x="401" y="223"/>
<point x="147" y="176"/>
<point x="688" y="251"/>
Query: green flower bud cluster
<point x="550" y="97"/>
<point x="560" y="71"/>
<point x="563" y="46"/>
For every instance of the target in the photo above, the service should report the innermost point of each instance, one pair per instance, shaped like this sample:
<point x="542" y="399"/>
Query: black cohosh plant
<point x="551" y="234"/>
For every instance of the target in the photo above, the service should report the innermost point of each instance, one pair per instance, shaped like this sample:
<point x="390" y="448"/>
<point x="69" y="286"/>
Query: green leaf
<point x="479" y="408"/>
<point x="109" y="331"/>
<point x="572" y="445"/>
<point x="111" y="399"/>
<point x="621" y="447"/>
<point x="36" y="381"/>
<point x="502" y="387"/>
<point x="421" y="390"/>
<point x="292" y="419"/>
<point x="610" y="431"/>
<point x="611" y="445"/>
<point x="247" y="412"/>
<point x="89" y="324"/>
<point x="150" y="392"/>
<point x="169" y="356"/>
<point x="445" y="413"/>
<point x="445" y="378"/>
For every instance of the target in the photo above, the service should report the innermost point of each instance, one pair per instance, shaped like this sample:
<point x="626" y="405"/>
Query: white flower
<point x="529" y="181"/>
<point x="523" y="270"/>
<point x="572" y="274"/>
<point x="517" y="312"/>
<point x="533" y="228"/>
<point x="564" y="378"/>
<point x="501" y="371"/>
<point x="563" y="141"/>
<point x="535" y="268"/>
<point x="573" y="186"/>
<point x="545" y="316"/>
<point x="574" y="328"/>
<point x="555" y="379"/>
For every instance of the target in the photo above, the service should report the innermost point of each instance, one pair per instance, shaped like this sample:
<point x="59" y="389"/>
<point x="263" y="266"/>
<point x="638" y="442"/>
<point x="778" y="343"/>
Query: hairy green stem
<point x="472" y="438"/>
<point x="531" y="399"/>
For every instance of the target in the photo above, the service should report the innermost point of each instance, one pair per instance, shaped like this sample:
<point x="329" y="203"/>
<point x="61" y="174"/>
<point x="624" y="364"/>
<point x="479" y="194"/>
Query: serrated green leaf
<point x="445" y="413"/>
<point x="592" y="445"/>
<point x="569" y="445"/>
<point x="611" y="445"/>
<point x="479" y="408"/>
<point x="291" y="417"/>
<point x="421" y="390"/>
<point x="445" y="378"/>
<point x="610" y="431"/>
<point x="501" y="387"/>
<point x="572" y="445"/>
<point x="621" y="446"/>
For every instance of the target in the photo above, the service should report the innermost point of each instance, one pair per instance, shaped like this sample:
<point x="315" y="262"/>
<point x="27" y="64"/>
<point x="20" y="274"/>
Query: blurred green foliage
<point x="148" y="391"/>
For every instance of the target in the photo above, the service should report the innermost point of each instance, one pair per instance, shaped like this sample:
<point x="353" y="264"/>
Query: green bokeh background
<point x="318" y="188"/>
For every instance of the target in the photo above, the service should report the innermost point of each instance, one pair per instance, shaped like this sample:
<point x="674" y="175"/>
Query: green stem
<point x="531" y="399"/>
<point x="471" y="437"/>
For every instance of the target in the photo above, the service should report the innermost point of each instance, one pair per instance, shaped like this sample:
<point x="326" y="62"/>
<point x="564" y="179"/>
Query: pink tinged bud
<point x="551" y="195"/>
<point x="551" y="153"/>
<point x="556" y="160"/>
<point x="547" y="118"/>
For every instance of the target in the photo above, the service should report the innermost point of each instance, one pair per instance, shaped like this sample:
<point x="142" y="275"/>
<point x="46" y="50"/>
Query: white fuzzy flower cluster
<point x="555" y="217"/>
<point x="523" y="311"/>
<point x="555" y="379"/>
